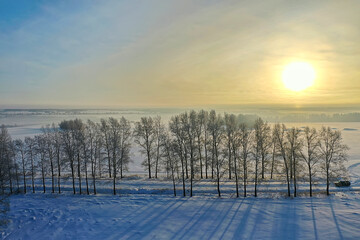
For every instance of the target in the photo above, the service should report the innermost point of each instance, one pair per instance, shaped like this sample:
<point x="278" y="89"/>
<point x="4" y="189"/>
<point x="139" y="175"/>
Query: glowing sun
<point x="298" y="76"/>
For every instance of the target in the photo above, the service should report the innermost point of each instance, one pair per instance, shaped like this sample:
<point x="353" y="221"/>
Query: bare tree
<point x="78" y="132"/>
<point x="58" y="152"/>
<point x="158" y="132"/>
<point x="258" y="141"/>
<point x="215" y="126"/>
<point x="125" y="145"/>
<point x="280" y="139"/>
<point x="233" y="141"/>
<point x="169" y="154"/>
<point x="333" y="153"/>
<point x="20" y="148"/>
<point x="6" y="163"/>
<point x="295" y="144"/>
<point x="229" y="129"/>
<point x="175" y="128"/>
<point x="200" y="132"/>
<point x="145" y="137"/>
<point x="30" y="152"/>
<point x="106" y="136"/>
<point x="68" y="140"/>
<point x="114" y="140"/>
<point x="245" y="143"/>
<point x="51" y="152"/>
<point x="204" y="116"/>
<point x="274" y="154"/>
<point x="189" y="122"/>
<point x="41" y="152"/>
<point x="310" y="155"/>
<point x="92" y="133"/>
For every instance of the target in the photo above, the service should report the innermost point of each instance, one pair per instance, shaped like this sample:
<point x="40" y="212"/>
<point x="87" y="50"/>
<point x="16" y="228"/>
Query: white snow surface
<point x="52" y="216"/>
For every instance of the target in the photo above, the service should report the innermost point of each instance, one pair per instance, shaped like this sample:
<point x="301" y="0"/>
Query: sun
<point x="298" y="76"/>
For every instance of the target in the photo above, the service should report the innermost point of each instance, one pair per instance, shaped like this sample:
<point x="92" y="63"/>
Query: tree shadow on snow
<point x="335" y="219"/>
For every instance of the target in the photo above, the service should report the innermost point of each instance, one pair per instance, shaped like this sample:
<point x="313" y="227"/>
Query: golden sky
<point x="177" y="53"/>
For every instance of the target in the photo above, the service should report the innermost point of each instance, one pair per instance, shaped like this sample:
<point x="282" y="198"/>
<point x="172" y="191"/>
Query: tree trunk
<point x="256" y="175"/>
<point x="206" y="157"/>
<point x="186" y="162"/>
<point x="52" y="175"/>
<point x="310" y="180"/>
<point x="287" y="178"/>
<point x="245" y="175"/>
<point x="59" y="170"/>
<point x="10" y="178"/>
<point x="109" y="163"/>
<point x="173" y="178"/>
<point x="79" y="172"/>
<point x="262" y="166"/>
<point x="327" y="180"/>
<point x="272" y="163"/>
<point x="149" y="162"/>
<point x="229" y="149"/>
<point x="43" y="173"/>
<point x="191" y="169"/>
<point x="218" y="173"/>
<point x="114" y="184"/>
<point x="73" y="175"/>
<point x="200" y="158"/>
<point x="236" y="176"/>
<point x="17" y="177"/>
<point x="157" y="159"/>
<point x="23" y="167"/>
<point x="294" y="162"/>
<point x="32" y="172"/>
<point x="86" y="179"/>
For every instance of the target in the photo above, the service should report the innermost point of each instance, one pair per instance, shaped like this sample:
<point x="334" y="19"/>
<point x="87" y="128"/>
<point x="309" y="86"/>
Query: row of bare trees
<point x="83" y="150"/>
<point x="193" y="146"/>
<point x="198" y="145"/>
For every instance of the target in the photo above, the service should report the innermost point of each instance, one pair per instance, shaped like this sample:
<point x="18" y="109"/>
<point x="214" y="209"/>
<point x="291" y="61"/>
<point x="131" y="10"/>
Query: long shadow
<point x="260" y="216"/>
<point x="335" y="219"/>
<point x="146" y="217"/>
<point x="193" y="217"/>
<point x="238" y="234"/>
<point x="214" y="213"/>
<point x="133" y="214"/>
<point x="225" y="215"/>
<point x="155" y="220"/>
<point x="286" y="228"/>
<point x="314" y="219"/>
<point x="202" y="217"/>
<point x="232" y="219"/>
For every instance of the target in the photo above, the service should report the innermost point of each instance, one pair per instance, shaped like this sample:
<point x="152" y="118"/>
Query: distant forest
<point x="303" y="117"/>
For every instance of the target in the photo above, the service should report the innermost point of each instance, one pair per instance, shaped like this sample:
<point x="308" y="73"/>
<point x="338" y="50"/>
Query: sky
<point x="167" y="53"/>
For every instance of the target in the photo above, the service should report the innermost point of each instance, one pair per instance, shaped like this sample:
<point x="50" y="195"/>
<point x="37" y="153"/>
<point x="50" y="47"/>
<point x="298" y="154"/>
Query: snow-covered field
<point x="38" y="216"/>
<point x="146" y="209"/>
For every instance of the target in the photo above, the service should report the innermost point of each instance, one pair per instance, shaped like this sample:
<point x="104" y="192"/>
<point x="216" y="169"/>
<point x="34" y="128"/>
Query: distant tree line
<point x="305" y="117"/>
<point x="193" y="145"/>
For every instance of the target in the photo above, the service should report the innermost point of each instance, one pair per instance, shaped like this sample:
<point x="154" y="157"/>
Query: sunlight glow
<point x="298" y="76"/>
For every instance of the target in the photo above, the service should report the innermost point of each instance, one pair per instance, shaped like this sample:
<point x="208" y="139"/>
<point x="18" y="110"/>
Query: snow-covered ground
<point x="146" y="209"/>
<point x="39" y="216"/>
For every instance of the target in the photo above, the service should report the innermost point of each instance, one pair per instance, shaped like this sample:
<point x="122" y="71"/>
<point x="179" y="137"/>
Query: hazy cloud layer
<point x="176" y="53"/>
